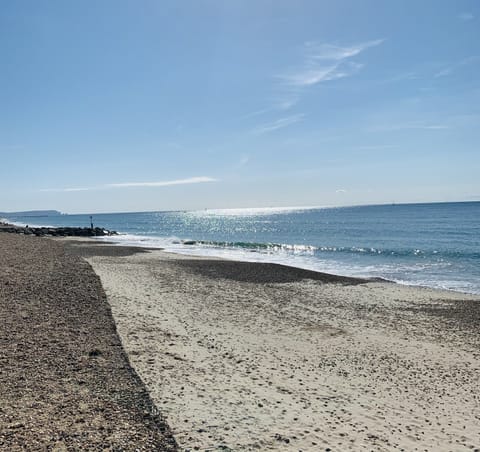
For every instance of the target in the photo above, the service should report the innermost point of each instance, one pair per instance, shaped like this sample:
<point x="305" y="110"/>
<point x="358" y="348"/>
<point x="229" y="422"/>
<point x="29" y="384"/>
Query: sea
<point x="434" y="245"/>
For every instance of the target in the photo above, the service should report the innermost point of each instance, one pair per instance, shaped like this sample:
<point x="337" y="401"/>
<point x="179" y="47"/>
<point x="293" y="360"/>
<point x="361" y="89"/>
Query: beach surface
<point x="250" y="356"/>
<point x="65" y="381"/>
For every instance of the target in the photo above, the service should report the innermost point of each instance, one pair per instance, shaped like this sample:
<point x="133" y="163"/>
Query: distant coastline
<point x="33" y="213"/>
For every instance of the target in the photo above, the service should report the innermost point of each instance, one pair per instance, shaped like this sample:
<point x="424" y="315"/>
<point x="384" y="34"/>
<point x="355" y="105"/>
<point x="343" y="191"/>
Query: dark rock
<point x="57" y="232"/>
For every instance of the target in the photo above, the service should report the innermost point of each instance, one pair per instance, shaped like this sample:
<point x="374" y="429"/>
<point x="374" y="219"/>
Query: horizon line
<point x="393" y="203"/>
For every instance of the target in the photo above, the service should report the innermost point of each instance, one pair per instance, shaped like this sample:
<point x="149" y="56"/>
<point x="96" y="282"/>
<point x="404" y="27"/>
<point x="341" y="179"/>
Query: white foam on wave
<point x="292" y="256"/>
<point x="300" y="258"/>
<point x="451" y="285"/>
<point x="140" y="241"/>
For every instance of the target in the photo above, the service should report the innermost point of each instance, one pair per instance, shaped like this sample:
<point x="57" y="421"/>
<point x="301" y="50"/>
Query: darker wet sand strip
<point x="65" y="380"/>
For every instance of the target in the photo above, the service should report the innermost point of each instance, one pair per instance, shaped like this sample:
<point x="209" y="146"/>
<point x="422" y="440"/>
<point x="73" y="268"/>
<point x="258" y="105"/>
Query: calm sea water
<point x="435" y="245"/>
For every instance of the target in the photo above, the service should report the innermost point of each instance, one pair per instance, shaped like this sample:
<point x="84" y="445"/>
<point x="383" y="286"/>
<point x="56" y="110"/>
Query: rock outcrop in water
<point x="56" y="232"/>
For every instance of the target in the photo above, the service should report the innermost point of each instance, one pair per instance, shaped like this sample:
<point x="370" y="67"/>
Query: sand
<point x="248" y="356"/>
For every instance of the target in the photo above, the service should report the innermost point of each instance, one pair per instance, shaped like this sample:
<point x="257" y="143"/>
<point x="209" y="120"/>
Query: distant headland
<point x="34" y="213"/>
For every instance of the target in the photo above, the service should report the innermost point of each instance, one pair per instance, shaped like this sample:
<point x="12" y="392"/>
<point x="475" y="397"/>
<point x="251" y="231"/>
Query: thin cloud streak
<point x="283" y="104"/>
<point x="334" y="52"/>
<point x="244" y="160"/>
<point x="321" y="63"/>
<point x="314" y="76"/>
<point x="466" y="16"/>
<point x="453" y="67"/>
<point x="444" y="72"/>
<point x="326" y="62"/>
<point x="407" y="126"/>
<point x="278" y="124"/>
<point x="376" y="147"/>
<point x="287" y="103"/>
<point x="71" y="189"/>
<point x="256" y="113"/>
<point x="191" y="180"/>
<point x="403" y="77"/>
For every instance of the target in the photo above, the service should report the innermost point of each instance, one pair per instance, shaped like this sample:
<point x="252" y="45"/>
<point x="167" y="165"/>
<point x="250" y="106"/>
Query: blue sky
<point x="150" y="105"/>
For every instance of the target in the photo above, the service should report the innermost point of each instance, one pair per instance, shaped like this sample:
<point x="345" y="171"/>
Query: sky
<point x="133" y="105"/>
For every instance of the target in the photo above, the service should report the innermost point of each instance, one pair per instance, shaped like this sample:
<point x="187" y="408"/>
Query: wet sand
<point x="249" y="356"/>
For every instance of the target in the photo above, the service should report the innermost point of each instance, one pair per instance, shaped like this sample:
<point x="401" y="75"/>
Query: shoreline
<point x="102" y="240"/>
<point x="246" y="355"/>
<point x="112" y="237"/>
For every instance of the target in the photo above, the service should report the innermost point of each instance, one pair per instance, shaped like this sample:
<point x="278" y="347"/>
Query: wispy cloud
<point x="431" y="127"/>
<point x="256" y="113"/>
<point x="376" y="147"/>
<point x="323" y="51"/>
<point x="286" y="102"/>
<point x="326" y="62"/>
<point x="452" y="122"/>
<point x="435" y="70"/>
<point x="311" y="77"/>
<point x="278" y="124"/>
<point x="191" y="180"/>
<point x="68" y="189"/>
<point x="411" y="126"/>
<point x="320" y="62"/>
<point x="281" y="104"/>
<point x="448" y="70"/>
<point x="245" y="158"/>
<point x="403" y="77"/>
<point x="444" y="72"/>
<point x="466" y="16"/>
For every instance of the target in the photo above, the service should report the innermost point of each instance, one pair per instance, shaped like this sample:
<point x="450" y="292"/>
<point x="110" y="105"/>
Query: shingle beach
<point x="65" y="380"/>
